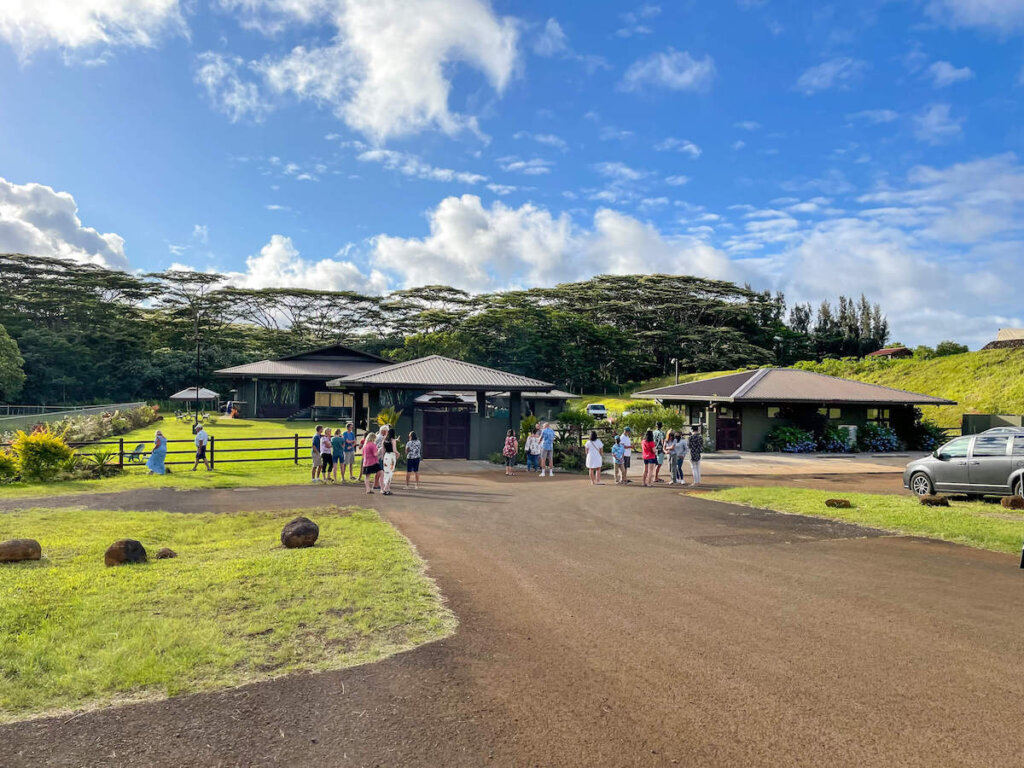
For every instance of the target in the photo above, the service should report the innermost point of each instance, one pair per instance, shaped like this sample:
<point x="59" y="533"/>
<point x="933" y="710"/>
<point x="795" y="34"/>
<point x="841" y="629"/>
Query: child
<point x="670" y="451"/>
<point x="337" y="455"/>
<point x="682" y="448"/>
<point x="618" y="458"/>
<point x="317" y="462"/>
<point x="650" y="456"/>
<point x="326" y="455"/>
<point x="413" y="454"/>
<point x="389" y="464"/>
<point x="509" y="452"/>
<point x="371" y="463"/>
<point x="533" y="449"/>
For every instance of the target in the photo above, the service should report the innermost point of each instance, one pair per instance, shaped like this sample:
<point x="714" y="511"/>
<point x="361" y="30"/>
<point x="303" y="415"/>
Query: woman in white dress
<point x="595" y="458"/>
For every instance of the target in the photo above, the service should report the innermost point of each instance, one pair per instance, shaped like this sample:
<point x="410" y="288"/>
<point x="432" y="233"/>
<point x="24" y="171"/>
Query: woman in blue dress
<point x="155" y="464"/>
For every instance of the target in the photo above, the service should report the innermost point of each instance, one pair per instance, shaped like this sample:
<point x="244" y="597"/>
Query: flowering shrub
<point x="877" y="438"/>
<point x="833" y="440"/>
<point x="88" y="429"/>
<point x="8" y="467"/>
<point x="40" y="455"/>
<point x="789" y="440"/>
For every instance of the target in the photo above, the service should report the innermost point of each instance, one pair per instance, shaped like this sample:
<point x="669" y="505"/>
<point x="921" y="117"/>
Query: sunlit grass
<point x="985" y="525"/>
<point x="233" y="607"/>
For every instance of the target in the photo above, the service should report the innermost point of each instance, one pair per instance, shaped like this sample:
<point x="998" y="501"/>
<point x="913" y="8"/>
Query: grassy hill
<point x="989" y="381"/>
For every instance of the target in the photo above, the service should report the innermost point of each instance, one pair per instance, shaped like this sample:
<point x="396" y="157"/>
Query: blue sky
<point x="812" y="148"/>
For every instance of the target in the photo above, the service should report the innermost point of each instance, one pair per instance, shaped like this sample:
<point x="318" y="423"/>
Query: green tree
<point x="947" y="347"/>
<point x="12" y="375"/>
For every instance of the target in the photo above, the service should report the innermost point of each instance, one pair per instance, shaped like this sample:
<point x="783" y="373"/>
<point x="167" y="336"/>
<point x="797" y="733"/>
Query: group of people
<point x="156" y="463"/>
<point x="379" y="451"/>
<point x="656" y="449"/>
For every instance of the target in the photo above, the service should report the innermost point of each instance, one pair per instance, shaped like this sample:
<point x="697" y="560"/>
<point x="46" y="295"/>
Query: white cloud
<point x="279" y="265"/>
<point x="636" y="22"/>
<point x="839" y="72"/>
<point x="502" y="189"/>
<point x="552" y="40"/>
<point x="672" y="144"/>
<point x="39" y="221"/>
<point x="227" y="91"/>
<point x="676" y="181"/>
<point x="943" y="73"/>
<point x="738" y="145"/>
<point x="535" y="166"/>
<point x="875" y="116"/>
<point x="747" y="125"/>
<point x="31" y="25"/>
<point x="672" y="69"/>
<point x="480" y="249"/>
<point x="410" y="165"/>
<point x="388" y="70"/>
<point x="1002" y="16"/>
<point x="936" y="125"/>
<point x="548" y="139"/>
<point x="619" y="171"/>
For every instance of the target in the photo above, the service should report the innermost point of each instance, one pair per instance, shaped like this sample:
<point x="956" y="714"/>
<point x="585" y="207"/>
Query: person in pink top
<point x="371" y="461"/>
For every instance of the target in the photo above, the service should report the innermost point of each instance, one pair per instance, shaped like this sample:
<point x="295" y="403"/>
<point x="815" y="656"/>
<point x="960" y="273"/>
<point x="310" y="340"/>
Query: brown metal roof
<point x="789" y="385"/>
<point x="300" y="369"/>
<point x="436" y="372"/>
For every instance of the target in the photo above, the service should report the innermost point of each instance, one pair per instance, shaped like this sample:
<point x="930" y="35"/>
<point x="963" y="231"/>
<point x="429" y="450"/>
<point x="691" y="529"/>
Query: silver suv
<point x="989" y="464"/>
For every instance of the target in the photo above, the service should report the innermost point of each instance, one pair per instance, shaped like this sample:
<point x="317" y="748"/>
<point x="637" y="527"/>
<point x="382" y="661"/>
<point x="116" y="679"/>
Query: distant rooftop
<point x="443" y="373"/>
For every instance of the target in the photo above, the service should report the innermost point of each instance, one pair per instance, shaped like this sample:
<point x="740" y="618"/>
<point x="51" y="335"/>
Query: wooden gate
<point x="445" y="434"/>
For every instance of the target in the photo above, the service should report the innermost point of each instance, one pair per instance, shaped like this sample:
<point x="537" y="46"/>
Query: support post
<point x="515" y="410"/>
<point x="120" y="454"/>
<point x="211" y="450"/>
<point x="296" y="449"/>
<point x="481" y="404"/>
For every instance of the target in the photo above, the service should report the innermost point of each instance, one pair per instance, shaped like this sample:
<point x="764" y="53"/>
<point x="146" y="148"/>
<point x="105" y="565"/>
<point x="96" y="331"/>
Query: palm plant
<point x="389" y="416"/>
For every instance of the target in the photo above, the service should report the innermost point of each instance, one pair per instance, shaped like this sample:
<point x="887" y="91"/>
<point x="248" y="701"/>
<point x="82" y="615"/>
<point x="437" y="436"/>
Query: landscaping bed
<point x="233" y="607"/>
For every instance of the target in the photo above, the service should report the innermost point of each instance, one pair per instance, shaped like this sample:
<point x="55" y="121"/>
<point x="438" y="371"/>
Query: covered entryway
<point x="446" y="433"/>
<point x="728" y="430"/>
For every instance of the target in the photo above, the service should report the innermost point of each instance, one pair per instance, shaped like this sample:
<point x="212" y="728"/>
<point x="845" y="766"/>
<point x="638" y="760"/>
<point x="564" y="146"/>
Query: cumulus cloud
<point x="39" y="221"/>
<point x="936" y="125"/>
<point x="32" y="25"/>
<point x="839" y="72"/>
<point x="222" y="81"/>
<point x="387" y="72"/>
<point x="279" y="265"/>
<point x="1003" y="16"/>
<point x="552" y="40"/>
<point x="673" y="144"/>
<point x="672" y="69"/>
<point x="943" y="73"/>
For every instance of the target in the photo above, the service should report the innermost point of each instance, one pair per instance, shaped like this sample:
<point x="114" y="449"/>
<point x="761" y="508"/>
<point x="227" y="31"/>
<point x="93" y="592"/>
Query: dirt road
<point x="620" y="627"/>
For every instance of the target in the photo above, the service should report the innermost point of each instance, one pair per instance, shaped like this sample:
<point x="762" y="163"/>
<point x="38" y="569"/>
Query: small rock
<point x="300" y="532"/>
<point x="1013" y="502"/>
<point x="125" y="551"/>
<point x="20" y="549"/>
<point x="935" y="500"/>
<point x="838" y="503"/>
<point x="166" y="554"/>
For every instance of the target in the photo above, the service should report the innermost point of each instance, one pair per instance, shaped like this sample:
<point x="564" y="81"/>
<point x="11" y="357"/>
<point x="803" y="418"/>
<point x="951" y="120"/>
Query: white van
<point x="598" y="411"/>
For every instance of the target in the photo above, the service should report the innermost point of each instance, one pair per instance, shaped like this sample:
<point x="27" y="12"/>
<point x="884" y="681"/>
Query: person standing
<point x="326" y="457"/>
<point x="155" y="463"/>
<point x="337" y="456"/>
<point x="595" y="458"/>
<point x="382" y="435"/>
<point x="388" y="464"/>
<point x="413" y="455"/>
<point x="510" y="450"/>
<point x="682" y="449"/>
<point x="201" y="441"/>
<point x="670" y="453"/>
<point x="348" y="438"/>
<point x="317" y="461"/>
<point x="617" y="457"/>
<point x="371" y="463"/>
<point x="696" y="449"/>
<point x="626" y="438"/>
<point x="532" y="449"/>
<point x="659" y="451"/>
<point x="547" y="450"/>
<point x="650" y="457"/>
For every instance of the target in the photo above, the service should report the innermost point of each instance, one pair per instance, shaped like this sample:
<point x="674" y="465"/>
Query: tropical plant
<point x="41" y="454"/>
<point x="388" y="416"/>
<point x="878" y="438"/>
<point x="101" y="461"/>
<point x="833" y="439"/>
<point x="526" y="426"/>
<point x="789" y="440"/>
<point x="572" y="423"/>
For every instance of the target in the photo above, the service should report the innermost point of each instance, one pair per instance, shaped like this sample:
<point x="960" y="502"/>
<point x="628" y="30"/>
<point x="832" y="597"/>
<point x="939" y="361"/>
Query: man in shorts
<point x="626" y="441"/>
<point x="317" y="461"/>
<point x="201" y="440"/>
<point x="348" y="441"/>
<point x="547" y="450"/>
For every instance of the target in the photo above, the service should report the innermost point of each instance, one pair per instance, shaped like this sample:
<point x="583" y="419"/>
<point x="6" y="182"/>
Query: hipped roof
<point x="788" y="385"/>
<point x="437" y="372"/>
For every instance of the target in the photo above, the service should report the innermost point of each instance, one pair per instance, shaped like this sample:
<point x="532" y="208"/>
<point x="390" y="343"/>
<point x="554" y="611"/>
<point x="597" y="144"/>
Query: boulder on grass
<point x="123" y="552"/>
<point x="838" y="503"/>
<point x="20" y="549"/>
<point x="935" y="500"/>
<point x="1013" y="502"/>
<point x="300" y="532"/>
<point x="166" y="554"/>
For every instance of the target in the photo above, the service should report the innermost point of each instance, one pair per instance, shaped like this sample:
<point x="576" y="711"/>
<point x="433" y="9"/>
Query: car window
<point x="1018" y="445"/>
<point x="990" y="445"/>
<point x="956" y="449"/>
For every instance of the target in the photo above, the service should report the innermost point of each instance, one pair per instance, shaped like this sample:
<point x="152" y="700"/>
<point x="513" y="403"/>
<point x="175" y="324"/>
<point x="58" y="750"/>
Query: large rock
<point x="20" y="549"/>
<point x="1013" y="502"/>
<point x="300" y="532"/>
<point x="165" y="554"/>
<point x="125" y="551"/>
<point x="838" y="503"/>
<point x="934" y="500"/>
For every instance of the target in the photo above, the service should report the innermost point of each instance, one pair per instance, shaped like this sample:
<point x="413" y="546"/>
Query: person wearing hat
<point x="626" y="441"/>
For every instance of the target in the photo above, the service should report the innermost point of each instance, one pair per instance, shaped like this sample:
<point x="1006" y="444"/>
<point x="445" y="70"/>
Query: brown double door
<point x="446" y="434"/>
<point x="728" y="430"/>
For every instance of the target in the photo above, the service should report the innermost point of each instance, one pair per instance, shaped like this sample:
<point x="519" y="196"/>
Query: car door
<point x="1017" y="454"/>
<point x="989" y="464"/>
<point x="950" y="472"/>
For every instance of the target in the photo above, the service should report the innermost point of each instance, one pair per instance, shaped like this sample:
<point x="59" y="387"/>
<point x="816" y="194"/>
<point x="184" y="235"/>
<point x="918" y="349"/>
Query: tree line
<point x="82" y="333"/>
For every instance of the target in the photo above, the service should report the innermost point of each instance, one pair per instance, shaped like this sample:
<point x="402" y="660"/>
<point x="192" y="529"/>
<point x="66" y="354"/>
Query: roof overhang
<point x="343" y="383"/>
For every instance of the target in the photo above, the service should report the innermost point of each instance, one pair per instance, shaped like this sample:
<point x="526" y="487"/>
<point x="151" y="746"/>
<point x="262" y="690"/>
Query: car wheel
<point x="920" y="484"/>
<point x="1018" y="490"/>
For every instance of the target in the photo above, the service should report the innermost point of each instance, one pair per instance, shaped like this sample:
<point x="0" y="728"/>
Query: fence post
<point x="296" y="449"/>
<point x="211" y="451"/>
<point x="120" y="454"/>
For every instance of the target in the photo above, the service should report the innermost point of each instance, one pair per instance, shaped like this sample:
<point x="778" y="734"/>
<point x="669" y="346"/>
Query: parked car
<point x="598" y="411"/>
<point x="989" y="464"/>
<point x="1004" y="431"/>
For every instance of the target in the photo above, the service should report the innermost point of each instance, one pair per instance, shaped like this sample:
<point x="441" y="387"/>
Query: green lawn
<point x="979" y="524"/>
<point x="228" y="434"/>
<point x="232" y="608"/>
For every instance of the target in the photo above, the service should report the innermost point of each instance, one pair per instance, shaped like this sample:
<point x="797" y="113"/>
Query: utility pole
<point x="195" y="424"/>
<point x="676" y="361"/>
